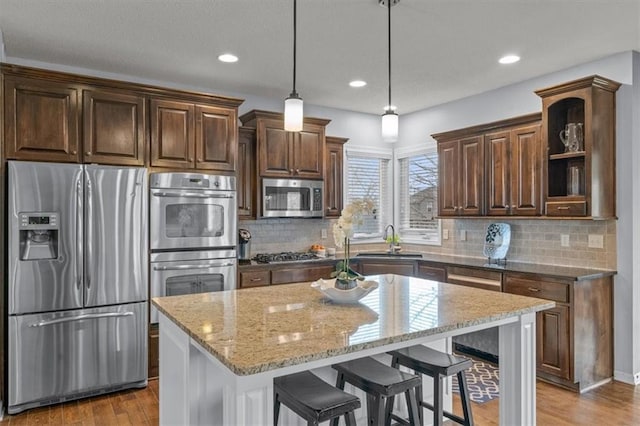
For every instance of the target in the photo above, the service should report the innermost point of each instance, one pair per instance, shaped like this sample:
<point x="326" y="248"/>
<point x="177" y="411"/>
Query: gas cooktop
<point x="287" y="256"/>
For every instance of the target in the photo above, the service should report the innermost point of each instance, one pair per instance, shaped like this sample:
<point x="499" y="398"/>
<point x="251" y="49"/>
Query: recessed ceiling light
<point x="228" y="57"/>
<point x="509" y="59"/>
<point x="357" y="83"/>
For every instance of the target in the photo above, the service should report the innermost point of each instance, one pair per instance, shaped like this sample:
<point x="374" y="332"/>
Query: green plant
<point x="395" y="239"/>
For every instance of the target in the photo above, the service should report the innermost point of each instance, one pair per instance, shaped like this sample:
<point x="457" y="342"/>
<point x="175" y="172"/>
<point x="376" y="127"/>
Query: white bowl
<point x="353" y="295"/>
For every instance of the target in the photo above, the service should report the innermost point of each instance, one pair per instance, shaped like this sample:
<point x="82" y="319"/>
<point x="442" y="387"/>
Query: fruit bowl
<point x="353" y="295"/>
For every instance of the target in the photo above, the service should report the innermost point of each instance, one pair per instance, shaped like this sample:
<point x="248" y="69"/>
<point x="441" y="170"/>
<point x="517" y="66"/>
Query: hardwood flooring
<point x="612" y="404"/>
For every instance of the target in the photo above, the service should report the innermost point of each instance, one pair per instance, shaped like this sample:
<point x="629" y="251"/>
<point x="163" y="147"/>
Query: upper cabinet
<point x="54" y="116"/>
<point x="491" y="169"/>
<point x="187" y="135"/>
<point x="41" y="119"/>
<point x="283" y="154"/>
<point x="247" y="186"/>
<point x="461" y="176"/>
<point x="113" y="127"/>
<point x="579" y="134"/>
<point x="333" y="185"/>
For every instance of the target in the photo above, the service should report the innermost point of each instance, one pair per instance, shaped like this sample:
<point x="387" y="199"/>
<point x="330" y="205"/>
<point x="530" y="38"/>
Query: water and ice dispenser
<point x="39" y="236"/>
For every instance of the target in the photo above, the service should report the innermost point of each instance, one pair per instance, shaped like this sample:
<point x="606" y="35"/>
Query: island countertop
<point x="261" y="329"/>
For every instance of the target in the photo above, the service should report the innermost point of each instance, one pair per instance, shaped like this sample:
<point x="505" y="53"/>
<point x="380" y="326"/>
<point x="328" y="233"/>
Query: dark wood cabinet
<point x="580" y="181"/>
<point x="247" y="185"/>
<point x="114" y="126"/>
<point x="41" y="120"/>
<point x="192" y="136"/>
<point x="431" y="272"/>
<point x="283" y="154"/>
<point x="472" y="277"/>
<point x="384" y="266"/>
<point x="492" y="169"/>
<point x="461" y="177"/>
<point x="514" y="171"/>
<point x="574" y="340"/>
<point x="153" y="351"/>
<point x="254" y="279"/>
<point x="333" y="185"/>
<point x="284" y="273"/>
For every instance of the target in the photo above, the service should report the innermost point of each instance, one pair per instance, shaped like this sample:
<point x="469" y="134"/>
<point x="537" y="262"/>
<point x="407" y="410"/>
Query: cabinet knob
<point x="513" y="207"/>
<point x="297" y="171"/>
<point x="191" y="159"/>
<point x="291" y="171"/>
<point x="88" y="153"/>
<point x="74" y="152"/>
<point x="199" y="160"/>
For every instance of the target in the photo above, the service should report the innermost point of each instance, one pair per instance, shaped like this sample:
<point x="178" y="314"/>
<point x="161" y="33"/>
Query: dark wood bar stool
<point x="313" y="399"/>
<point x="381" y="383"/>
<point x="437" y="365"/>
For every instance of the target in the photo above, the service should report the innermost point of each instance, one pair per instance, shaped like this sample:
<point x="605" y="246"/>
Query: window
<point x="418" y="197"/>
<point x="368" y="176"/>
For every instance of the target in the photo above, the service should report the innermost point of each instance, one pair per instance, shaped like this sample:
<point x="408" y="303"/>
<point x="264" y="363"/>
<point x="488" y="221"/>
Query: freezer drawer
<point x="67" y="355"/>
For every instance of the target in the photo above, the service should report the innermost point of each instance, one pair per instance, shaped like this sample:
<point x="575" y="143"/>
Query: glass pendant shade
<point x="390" y="126"/>
<point x="293" y="113"/>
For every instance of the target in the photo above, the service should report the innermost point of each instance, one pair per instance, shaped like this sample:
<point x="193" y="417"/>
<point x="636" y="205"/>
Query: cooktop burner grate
<point x="287" y="256"/>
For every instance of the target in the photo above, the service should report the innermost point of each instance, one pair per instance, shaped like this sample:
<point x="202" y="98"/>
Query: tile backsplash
<point x="532" y="240"/>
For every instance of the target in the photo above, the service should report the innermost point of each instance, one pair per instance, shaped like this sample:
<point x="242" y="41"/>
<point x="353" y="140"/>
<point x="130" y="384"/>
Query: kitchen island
<point x="219" y="352"/>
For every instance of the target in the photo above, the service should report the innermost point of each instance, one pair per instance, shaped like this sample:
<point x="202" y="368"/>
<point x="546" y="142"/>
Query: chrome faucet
<point x="385" y="236"/>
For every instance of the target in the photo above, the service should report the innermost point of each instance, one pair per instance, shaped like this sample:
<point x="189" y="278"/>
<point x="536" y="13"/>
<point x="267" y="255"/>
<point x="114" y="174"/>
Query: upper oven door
<point x="192" y="219"/>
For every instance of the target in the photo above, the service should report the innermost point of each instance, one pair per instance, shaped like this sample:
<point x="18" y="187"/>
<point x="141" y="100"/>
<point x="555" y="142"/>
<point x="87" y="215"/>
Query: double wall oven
<point x="192" y="234"/>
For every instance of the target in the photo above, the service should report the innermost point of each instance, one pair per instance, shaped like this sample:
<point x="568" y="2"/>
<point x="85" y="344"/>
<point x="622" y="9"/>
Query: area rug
<point x="482" y="381"/>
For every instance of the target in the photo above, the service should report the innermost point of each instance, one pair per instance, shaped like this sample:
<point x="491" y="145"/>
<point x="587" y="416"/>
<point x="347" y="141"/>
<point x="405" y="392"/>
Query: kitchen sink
<point x="388" y="254"/>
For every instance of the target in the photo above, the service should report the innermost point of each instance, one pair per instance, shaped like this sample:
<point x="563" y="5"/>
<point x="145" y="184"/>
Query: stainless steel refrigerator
<point x="78" y="281"/>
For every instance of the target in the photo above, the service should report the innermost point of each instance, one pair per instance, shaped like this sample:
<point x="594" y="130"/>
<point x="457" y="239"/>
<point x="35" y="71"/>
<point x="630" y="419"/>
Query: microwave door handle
<point x="80" y="318"/>
<point x="185" y="267"/>
<point x="190" y="195"/>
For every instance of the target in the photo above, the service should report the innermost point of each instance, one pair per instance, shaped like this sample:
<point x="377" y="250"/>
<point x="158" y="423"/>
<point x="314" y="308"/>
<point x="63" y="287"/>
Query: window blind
<point x="368" y="178"/>
<point x="418" y="196"/>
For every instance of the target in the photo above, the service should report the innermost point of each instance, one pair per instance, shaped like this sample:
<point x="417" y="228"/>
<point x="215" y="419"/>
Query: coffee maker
<point x="244" y="244"/>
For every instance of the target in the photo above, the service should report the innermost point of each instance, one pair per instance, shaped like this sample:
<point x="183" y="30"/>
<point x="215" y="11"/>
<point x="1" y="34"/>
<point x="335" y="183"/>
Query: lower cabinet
<point x="431" y="272"/>
<point x="574" y="340"/>
<point x="391" y="266"/>
<point x="154" y="359"/>
<point x="264" y="275"/>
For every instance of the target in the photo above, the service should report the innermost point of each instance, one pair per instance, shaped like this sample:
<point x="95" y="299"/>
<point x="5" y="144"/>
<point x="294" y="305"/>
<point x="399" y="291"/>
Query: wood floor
<point x="612" y="404"/>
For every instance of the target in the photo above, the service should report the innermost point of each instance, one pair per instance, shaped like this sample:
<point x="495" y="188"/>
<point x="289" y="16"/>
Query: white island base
<point x="197" y="389"/>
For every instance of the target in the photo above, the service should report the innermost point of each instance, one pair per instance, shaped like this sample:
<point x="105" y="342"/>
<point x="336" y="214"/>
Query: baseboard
<point x="485" y="356"/>
<point x="632" y="379"/>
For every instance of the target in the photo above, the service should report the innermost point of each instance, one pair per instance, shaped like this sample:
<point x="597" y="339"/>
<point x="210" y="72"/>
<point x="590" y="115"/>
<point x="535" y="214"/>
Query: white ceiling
<point x="442" y="49"/>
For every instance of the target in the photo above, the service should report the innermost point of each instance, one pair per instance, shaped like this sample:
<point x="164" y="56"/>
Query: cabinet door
<point x="471" y="176"/>
<point x="41" y="120"/>
<point x="307" y="150"/>
<point x="172" y="134"/>
<point x="114" y="125"/>
<point x="498" y="173"/>
<point x="333" y="177"/>
<point x="448" y="169"/>
<point x="553" y="341"/>
<point x="303" y="273"/>
<point x="274" y="149"/>
<point x="216" y="138"/>
<point x="246" y="176"/>
<point x="434" y="273"/>
<point x="526" y="172"/>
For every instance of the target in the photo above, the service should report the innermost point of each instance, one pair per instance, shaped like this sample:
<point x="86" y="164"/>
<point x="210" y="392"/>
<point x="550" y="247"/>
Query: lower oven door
<point x="173" y="274"/>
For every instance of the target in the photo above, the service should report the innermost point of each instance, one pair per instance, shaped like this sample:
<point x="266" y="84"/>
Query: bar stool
<point x="381" y="382"/>
<point x="438" y="365"/>
<point x="313" y="399"/>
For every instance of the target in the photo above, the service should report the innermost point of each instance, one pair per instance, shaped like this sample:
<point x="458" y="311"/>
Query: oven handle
<point x="183" y="267"/>
<point x="190" y="195"/>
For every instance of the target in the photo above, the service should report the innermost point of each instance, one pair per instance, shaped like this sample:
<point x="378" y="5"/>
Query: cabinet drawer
<point x="301" y="274"/>
<point x="432" y="273"/>
<point x="566" y="208"/>
<point x="549" y="290"/>
<point x="254" y="279"/>
<point x="488" y="280"/>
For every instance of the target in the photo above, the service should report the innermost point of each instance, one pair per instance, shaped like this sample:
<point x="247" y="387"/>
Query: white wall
<point x="519" y="99"/>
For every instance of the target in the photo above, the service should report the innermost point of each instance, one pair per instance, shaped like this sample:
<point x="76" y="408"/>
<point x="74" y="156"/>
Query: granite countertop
<point x="564" y="272"/>
<point x="265" y="328"/>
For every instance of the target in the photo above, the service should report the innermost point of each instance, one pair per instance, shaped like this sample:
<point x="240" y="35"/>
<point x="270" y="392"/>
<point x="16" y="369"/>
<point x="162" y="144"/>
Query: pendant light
<point x="293" y="114"/>
<point x="389" y="118"/>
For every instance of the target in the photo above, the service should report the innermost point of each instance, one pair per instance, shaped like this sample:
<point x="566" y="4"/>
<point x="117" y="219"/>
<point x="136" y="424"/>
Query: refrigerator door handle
<point x="88" y="232"/>
<point x="190" y="195"/>
<point x="79" y="245"/>
<point x="183" y="267"/>
<point x="81" y="317"/>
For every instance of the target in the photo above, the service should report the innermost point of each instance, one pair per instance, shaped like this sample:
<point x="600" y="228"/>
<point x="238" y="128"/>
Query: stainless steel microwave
<point x="292" y="198"/>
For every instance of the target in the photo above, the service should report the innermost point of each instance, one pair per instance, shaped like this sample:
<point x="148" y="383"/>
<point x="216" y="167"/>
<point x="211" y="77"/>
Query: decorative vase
<point x="346" y="284"/>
